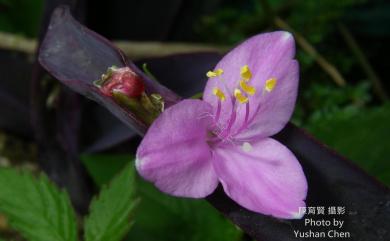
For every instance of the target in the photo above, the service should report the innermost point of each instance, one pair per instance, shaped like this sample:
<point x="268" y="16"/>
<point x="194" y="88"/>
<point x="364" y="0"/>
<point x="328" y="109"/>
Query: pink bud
<point x="125" y="81"/>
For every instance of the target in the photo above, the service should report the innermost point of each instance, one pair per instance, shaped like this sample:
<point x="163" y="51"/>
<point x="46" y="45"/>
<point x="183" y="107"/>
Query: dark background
<point x="351" y="116"/>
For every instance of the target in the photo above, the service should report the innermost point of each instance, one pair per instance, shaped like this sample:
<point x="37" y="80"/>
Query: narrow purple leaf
<point x="74" y="54"/>
<point x="101" y="130"/>
<point x="57" y="128"/>
<point x="78" y="56"/>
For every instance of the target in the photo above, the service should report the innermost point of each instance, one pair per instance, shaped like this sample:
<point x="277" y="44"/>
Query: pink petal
<point x="275" y="108"/>
<point x="268" y="55"/>
<point x="263" y="177"/>
<point x="174" y="154"/>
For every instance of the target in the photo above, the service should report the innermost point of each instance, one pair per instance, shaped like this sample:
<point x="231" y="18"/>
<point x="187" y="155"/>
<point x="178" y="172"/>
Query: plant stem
<point x="327" y="67"/>
<point x="364" y="63"/>
<point x="133" y="50"/>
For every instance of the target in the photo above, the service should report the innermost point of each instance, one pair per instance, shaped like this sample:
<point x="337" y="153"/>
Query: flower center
<point x="241" y="95"/>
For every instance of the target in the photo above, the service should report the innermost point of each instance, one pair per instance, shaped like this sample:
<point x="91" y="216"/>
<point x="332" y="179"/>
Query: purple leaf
<point x="75" y="54"/>
<point x="56" y="129"/>
<point x="78" y="56"/>
<point x="102" y="130"/>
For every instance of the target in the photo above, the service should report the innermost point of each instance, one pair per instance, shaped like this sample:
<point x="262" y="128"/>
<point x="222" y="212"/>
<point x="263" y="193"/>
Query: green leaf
<point x="160" y="216"/>
<point x="35" y="207"/>
<point x="21" y="16"/>
<point x="109" y="218"/>
<point x="103" y="168"/>
<point x="362" y="137"/>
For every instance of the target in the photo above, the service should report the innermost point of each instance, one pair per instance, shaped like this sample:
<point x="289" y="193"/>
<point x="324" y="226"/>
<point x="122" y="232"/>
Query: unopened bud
<point x="122" y="80"/>
<point x="128" y="90"/>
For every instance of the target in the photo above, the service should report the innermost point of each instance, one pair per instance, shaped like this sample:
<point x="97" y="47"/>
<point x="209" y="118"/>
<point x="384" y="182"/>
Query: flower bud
<point x="128" y="90"/>
<point x="122" y="80"/>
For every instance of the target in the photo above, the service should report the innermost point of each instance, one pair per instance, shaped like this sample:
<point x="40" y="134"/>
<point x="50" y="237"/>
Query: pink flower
<point x="225" y="138"/>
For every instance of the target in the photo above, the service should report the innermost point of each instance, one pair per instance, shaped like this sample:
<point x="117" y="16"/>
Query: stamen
<point x="240" y="97"/>
<point x="231" y="121"/>
<point x="226" y="88"/>
<point x="217" y="92"/>
<point x="217" y="72"/>
<point x="250" y="90"/>
<point x="225" y="133"/>
<point x="270" y="84"/>
<point x="245" y="122"/>
<point x="218" y="113"/>
<point x="246" y="73"/>
<point x="246" y="114"/>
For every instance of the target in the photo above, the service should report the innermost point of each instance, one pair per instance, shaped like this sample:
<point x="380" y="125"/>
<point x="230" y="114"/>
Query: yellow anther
<point x="211" y="74"/>
<point x="270" y="84"/>
<point x="215" y="73"/>
<point x="246" y="73"/>
<point x="219" y="72"/>
<point x="240" y="97"/>
<point x="250" y="90"/>
<point x="217" y="92"/>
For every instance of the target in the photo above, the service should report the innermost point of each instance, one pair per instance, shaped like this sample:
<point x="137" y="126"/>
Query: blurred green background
<point x="349" y="110"/>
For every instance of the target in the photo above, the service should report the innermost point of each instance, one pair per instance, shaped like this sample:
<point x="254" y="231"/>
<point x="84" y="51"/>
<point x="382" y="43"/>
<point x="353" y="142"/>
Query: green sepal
<point x="135" y="105"/>
<point x="106" y="76"/>
<point x="147" y="72"/>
